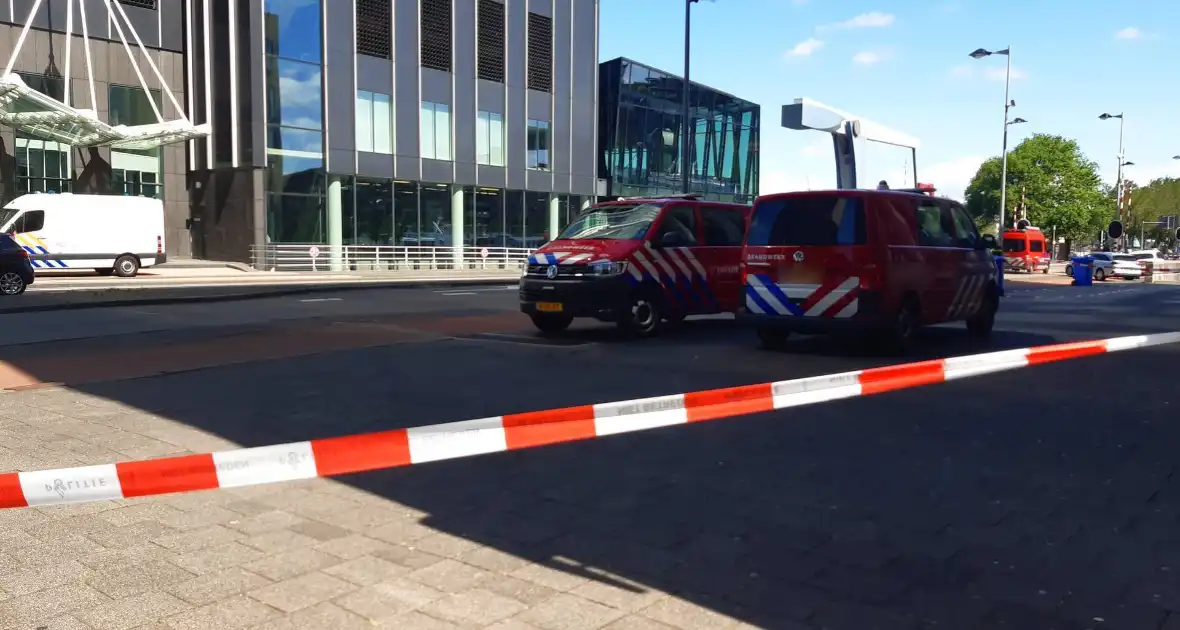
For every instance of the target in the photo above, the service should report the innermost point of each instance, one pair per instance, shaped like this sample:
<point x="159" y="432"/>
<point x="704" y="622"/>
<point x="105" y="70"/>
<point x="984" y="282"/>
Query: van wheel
<point x="642" y="316"/>
<point x="105" y="271"/>
<point x="984" y="320"/>
<point x="11" y="283"/>
<point x="899" y="337"/>
<point x="126" y="266"/>
<point x="773" y="338"/>
<point x="551" y="324"/>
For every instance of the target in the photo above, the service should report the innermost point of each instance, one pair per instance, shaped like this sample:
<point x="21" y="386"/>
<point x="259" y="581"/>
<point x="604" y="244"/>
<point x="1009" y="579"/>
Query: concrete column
<point x="457" y="241"/>
<point x="554" y="216"/>
<point x="335" y="224"/>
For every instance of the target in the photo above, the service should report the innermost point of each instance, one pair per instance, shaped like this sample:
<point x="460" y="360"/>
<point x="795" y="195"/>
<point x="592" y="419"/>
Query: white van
<point x="106" y="233"/>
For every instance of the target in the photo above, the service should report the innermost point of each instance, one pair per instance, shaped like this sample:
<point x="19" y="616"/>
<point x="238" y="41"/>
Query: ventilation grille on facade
<point x="143" y="4"/>
<point x="540" y="53"/>
<point x="372" y="28"/>
<point x="491" y="40"/>
<point x="436" y="34"/>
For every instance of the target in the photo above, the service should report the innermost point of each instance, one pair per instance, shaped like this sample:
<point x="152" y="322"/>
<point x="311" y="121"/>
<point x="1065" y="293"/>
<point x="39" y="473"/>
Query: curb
<point x="268" y="291"/>
<point x="468" y="438"/>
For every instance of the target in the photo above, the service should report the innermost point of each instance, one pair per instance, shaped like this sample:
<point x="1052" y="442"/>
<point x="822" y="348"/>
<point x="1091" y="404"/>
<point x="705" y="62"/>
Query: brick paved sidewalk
<point x="316" y="554"/>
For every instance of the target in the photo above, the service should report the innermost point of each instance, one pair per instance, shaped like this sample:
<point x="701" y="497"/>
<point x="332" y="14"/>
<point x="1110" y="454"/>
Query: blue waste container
<point x="1083" y="270"/>
<point x="999" y="260"/>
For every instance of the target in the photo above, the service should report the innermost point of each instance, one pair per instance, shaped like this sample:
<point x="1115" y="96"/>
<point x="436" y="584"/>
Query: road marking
<point x="321" y="300"/>
<point x="511" y="287"/>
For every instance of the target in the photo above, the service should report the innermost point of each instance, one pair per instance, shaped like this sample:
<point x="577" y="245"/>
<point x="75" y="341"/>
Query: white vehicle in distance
<point x="106" y="233"/>
<point x="1108" y="265"/>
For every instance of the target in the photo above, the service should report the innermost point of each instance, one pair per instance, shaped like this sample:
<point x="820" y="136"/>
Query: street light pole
<point x="980" y="53"/>
<point x="685" y="145"/>
<point x="1118" y="186"/>
<point x="1004" y="148"/>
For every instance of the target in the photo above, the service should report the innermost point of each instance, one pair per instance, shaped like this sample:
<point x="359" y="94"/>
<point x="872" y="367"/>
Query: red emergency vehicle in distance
<point x="1025" y="249"/>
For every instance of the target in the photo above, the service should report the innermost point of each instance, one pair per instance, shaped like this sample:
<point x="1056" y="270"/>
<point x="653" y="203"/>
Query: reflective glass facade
<point x="639" y="135"/>
<point x="295" y="203"/>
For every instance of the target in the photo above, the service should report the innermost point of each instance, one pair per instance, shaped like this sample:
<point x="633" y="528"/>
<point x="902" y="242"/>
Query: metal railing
<point x="316" y="258"/>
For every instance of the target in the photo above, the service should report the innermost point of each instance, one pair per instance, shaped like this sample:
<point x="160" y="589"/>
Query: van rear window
<point x="1013" y="245"/>
<point x="808" y="220"/>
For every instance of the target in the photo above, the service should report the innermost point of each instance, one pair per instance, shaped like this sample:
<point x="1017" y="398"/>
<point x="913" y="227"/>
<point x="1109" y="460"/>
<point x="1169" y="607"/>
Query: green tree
<point x="1160" y="198"/>
<point x="1059" y="187"/>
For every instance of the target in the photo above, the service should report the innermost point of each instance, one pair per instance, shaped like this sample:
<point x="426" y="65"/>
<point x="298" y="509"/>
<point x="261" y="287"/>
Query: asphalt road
<point x="1040" y="498"/>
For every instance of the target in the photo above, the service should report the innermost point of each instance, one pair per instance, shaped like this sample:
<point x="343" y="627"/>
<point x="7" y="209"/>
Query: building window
<point x="540" y="53"/>
<point x="436" y="34"/>
<point x="143" y="4"/>
<point x="42" y="165"/>
<point x="489" y="139"/>
<point x="374" y="122"/>
<point x="491" y="40"/>
<point x="435" y="131"/>
<point x="373" y="35"/>
<point x="538" y="145"/>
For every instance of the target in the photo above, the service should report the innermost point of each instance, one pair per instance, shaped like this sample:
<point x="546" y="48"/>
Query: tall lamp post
<point x="1118" y="185"/>
<point x="685" y="145"/>
<point x="980" y="53"/>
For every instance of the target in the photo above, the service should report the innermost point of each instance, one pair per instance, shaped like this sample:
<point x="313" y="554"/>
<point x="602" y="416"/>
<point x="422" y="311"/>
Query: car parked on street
<point x="16" y="270"/>
<point x="1111" y="265"/>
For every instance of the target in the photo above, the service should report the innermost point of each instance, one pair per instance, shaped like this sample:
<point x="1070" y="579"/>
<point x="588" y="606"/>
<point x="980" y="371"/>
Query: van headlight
<point x="608" y="267"/>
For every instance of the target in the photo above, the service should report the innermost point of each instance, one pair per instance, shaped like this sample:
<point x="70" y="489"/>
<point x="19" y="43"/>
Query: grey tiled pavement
<point x="1038" y="499"/>
<point x="316" y="554"/>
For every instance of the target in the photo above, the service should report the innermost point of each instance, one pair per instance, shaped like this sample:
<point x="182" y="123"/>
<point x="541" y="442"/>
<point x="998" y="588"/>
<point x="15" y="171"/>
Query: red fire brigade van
<point x="637" y="262"/>
<point x="1025" y="249"/>
<point x="883" y="261"/>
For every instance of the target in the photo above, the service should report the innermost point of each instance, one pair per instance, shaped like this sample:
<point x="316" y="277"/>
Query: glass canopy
<point x="26" y="109"/>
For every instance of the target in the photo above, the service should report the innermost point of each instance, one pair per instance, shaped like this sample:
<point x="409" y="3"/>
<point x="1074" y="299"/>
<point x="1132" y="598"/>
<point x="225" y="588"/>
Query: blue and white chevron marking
<point x="765" y="297"/>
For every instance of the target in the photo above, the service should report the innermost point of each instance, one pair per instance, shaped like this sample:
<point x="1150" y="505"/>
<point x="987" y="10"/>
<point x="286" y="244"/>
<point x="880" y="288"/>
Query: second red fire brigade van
<point x="882" y="261"/>
<point x="1025" y="249"/>
<point x="637" y="262"/>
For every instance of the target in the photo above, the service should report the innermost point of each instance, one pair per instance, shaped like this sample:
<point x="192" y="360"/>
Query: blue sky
<point x="905" y="64"/>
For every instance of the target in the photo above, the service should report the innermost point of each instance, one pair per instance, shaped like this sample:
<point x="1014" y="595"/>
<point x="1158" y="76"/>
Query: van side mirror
<point x="988" y="241"/>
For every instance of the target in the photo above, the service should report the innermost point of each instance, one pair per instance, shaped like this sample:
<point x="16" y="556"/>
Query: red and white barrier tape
<point x="403" y="447"/>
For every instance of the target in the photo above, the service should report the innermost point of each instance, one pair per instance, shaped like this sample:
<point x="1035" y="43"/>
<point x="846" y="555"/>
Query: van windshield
<point x="1013" y="245"/>
<point x="615" y="222"/>
<point x="808" y="220"/>
<point x="6" y="215"/>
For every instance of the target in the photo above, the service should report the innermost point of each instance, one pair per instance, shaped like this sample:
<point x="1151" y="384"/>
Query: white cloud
<point x="866" y="58"/>
<point x="805" y="48"/>
<point x="780" y="181"/>
<point x="873" y="19"/>
<point x="998" y="73"/>
<point x="1129" y="33"/>
<point x="963" y="71"/>
<point x="817" y="149"/>
<point x="950" y="178"/>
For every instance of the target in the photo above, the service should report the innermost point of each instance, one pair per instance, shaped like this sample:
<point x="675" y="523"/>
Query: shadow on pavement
<point x="1041" y="498"/>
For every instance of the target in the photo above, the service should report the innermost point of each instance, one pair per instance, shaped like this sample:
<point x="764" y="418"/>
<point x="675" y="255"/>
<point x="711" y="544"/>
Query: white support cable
<point x="89" y="61"/>
<point x="155" y="70"/>
<point x="69" y="50"/>
<point x="20" y="41"/>
<point x="134" y="64"/>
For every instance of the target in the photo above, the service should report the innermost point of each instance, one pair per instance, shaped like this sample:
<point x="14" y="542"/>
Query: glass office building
<point x="397" y="122"/>
<point x="639" y="135"/>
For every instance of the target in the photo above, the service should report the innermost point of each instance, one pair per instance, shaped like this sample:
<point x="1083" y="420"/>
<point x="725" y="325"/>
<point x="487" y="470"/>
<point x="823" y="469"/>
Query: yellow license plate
<point x="549" y="307"/>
